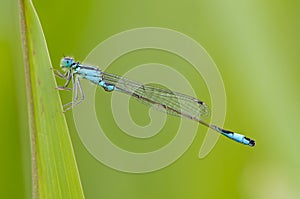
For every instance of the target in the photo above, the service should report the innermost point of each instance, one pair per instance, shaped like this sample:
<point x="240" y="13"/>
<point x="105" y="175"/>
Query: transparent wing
<point x="171" y="102"/>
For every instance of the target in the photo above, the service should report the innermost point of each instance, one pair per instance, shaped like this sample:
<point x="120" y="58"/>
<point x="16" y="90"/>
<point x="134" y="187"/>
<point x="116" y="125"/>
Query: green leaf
<point x="54" y="170"/>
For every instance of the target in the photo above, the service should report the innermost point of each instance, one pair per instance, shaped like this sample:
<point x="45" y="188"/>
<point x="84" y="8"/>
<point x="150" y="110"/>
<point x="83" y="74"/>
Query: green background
<point x="256" y="47"/>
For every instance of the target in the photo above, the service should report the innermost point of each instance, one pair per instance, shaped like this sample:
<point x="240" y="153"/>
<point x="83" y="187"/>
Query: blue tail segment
<point x="234" y="136"/>
<point x="238" y="137"/>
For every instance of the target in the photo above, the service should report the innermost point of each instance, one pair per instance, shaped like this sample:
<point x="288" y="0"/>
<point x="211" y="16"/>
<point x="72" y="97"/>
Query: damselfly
<point x="171" y="102"/>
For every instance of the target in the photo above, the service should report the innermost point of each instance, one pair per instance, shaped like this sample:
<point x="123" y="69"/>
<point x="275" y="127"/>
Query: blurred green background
<point x="255" y="45"/>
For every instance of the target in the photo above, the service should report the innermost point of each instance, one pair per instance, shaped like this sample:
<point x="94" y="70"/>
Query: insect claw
<point x="61" y="88"/>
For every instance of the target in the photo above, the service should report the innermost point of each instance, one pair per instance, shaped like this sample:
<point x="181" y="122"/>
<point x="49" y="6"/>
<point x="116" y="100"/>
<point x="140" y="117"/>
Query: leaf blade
<point x="54" y="169"/>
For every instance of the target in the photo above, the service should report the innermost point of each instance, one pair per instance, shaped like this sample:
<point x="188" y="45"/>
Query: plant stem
<point x="32" y="126"/>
